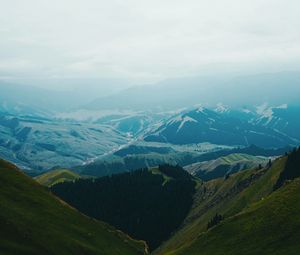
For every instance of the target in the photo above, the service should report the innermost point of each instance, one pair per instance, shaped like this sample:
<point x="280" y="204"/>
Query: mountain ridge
<point x="232" y="127"/>
<point x="235" y="196"/>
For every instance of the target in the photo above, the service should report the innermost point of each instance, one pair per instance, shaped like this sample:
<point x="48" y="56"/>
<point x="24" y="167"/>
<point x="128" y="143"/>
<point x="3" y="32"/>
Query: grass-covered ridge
<point x="244" y="213"/>
<point x="270" y="227"/>
<point x="139" y="156"/>
<point x="56" y="176"/>
<point x="33" y="221"/>
<point x="222" y="166"/>
<point x="226" y="197"/>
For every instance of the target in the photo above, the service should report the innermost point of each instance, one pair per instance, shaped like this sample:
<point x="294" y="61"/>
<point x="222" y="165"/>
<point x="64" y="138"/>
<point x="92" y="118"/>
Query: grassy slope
<point x="229" y="161"/>
<point x="35" y="222"/>
<point x="136" y="157"/>
<point x="56" y="176"/>
<point x="271" y="226"/>
<point x="239" y="156"/>
<point x="226" y="197"/>
<point x="155" y="170"/>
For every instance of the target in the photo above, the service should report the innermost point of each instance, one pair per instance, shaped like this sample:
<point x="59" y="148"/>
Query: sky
<point x="146" y="41"/>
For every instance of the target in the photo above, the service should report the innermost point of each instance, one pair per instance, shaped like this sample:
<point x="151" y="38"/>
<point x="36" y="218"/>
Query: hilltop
<point x="56" y="176"/>
<point x="148" y="204"/>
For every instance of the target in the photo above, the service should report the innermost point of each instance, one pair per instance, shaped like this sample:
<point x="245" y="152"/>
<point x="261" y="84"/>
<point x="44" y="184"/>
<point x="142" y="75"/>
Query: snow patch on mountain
<point x="245" y="110"/>
<point x="200" y="109"/>
<point x="175" y="120"/>
<point x="184" y="121"/>
<point x="267" y="113"/>
<point x="283" y="106"/>
<point x="221" y="108"/>
<point x="264" y="110"/>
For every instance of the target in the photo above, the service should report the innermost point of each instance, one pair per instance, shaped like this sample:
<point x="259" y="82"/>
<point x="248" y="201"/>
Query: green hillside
<point x="230" y="164"/>
<point x="269" y="227"/>
<point x="56" y="176"/>
<point x="33" y="221"/>
<point x="139" y="156"/>
<point x="226" y="197"/>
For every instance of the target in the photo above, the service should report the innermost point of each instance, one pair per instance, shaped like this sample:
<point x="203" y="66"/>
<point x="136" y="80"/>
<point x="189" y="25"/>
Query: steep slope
<point x="33" y="221"/>
<point x="148" y="204"/>
<point x="56" y="176"/>
<point x="271" y="226"/>
<point x="291" y="170"/>
<point x="226" y="197"/>
<point x="283" y="118"/>
<point x="222" y="166"/>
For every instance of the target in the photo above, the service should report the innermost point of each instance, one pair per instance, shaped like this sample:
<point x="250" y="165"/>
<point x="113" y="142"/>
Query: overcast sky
<point x="146" y="41"/>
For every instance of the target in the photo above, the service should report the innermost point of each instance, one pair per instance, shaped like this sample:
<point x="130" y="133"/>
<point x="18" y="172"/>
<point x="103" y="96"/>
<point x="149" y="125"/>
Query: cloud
<point x="147" y="40"/>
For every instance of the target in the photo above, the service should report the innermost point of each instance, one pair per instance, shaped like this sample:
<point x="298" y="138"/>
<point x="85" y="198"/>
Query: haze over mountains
<point x="211" y="90"/>
<point x="149" y="127"/>
<point x="32" y="98"/>
<point x="42" y="129"/>
<point x="236" y="91"/>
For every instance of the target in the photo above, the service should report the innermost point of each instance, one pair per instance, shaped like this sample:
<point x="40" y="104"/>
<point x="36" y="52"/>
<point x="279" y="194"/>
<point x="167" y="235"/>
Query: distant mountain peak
<point x="185" y="119"/>
<point x="200" y="109"/>
<point x="267" y="127"/>
<point x="221" y="108"/>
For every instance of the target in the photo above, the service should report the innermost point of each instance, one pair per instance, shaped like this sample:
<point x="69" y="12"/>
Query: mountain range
<point x="130" y="141"/>
<point x="166" y="95"/>
<point x="39" y="144"/>
<point x="232" y="90"/>
<point x="44" y="129"/>
<point x="265" y="127"/>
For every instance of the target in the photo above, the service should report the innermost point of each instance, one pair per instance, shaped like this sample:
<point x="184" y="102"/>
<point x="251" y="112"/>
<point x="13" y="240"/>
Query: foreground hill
<point x="271" y="226"/>
<point x="35" y="222"/>
<point x="148" y="204"/>
<point x="56" y="176"/>
<point x="254" y="218"/>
